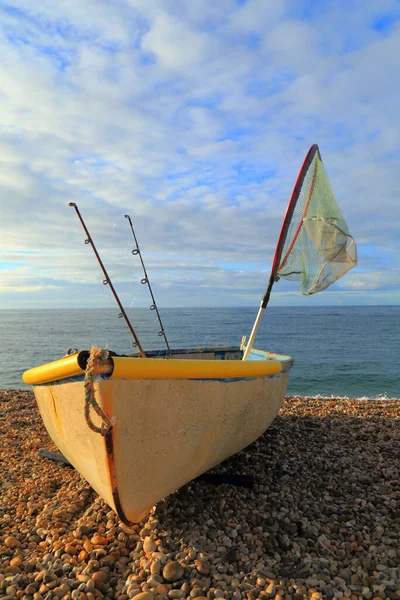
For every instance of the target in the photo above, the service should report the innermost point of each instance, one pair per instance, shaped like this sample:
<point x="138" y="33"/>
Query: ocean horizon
<point x="338" y="351"/>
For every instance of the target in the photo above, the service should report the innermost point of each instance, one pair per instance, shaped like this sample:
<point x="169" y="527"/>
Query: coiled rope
<point x="93" y="369"/>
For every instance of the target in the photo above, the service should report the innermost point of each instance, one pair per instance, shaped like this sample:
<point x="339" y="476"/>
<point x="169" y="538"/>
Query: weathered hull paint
<point x="165" y="433"/>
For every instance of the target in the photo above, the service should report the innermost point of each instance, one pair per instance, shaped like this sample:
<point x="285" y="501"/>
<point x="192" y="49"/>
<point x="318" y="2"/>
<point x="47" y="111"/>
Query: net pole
<point x="253" y="333"/>
<point x="259" y="317"/>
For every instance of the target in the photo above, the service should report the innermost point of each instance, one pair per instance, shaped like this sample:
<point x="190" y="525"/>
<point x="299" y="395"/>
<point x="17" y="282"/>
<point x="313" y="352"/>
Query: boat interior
<point x="212" y="353"/>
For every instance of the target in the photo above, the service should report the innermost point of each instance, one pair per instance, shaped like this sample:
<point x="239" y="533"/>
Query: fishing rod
<point x="136" y="251"/>
<point x="107" y="280"/>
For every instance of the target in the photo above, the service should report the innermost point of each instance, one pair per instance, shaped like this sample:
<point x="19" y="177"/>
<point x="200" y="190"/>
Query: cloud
<point x="175" y="45"/>
<point x="194" y="119"/>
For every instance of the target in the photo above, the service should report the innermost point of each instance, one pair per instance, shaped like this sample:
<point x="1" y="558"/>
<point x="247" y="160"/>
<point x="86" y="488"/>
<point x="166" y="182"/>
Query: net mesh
<point x="318" y="248"/>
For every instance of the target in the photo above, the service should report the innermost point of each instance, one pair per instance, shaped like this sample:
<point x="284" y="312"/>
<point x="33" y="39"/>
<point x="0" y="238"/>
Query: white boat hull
<point x="165" y="432"/>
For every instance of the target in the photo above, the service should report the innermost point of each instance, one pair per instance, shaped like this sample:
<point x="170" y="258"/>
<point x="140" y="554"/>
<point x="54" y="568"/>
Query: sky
<point x="194" y="118"/>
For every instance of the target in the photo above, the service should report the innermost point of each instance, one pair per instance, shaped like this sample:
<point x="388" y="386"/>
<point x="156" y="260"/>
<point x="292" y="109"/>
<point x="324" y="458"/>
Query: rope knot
<point x="93" y="369"/>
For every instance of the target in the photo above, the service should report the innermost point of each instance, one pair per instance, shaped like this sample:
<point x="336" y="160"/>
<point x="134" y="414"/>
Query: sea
<point x="341" y="351"/>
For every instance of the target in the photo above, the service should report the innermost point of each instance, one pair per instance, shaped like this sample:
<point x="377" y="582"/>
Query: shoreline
<point x="321" y="522"/>
<point x="383" y="396"/>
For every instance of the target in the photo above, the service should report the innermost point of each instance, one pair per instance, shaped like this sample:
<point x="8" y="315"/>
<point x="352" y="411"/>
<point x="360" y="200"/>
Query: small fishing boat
<point x="161" y="422"/>
<point x="139" y="427"/>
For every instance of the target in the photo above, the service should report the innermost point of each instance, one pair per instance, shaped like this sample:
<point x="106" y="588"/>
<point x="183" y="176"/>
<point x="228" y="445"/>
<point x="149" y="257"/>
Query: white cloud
<point x="175" y="45"/>
<point x="194" y="118"/>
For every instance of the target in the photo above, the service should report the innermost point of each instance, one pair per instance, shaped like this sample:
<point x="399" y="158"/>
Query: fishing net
<point x="316" y="247"/>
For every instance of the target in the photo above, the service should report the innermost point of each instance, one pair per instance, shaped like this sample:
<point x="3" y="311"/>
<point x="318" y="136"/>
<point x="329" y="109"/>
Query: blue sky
<point x="194" y="118"/>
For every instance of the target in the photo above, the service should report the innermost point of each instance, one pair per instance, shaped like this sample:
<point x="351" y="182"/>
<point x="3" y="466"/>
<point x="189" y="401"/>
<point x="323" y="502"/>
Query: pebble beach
<point x="321" y="522"/>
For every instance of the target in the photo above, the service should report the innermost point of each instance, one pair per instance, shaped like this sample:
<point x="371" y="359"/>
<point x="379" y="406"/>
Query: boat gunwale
<point x="76" y="364"/>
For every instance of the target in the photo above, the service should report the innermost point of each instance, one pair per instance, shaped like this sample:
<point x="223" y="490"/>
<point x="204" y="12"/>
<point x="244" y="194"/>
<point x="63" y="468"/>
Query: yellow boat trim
<point x="155" y="368"/>
<point x="58" y="369"/>
<point x="158" y="368"/>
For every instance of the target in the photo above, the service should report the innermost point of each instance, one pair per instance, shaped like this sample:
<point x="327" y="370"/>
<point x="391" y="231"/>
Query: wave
<point x="377" y="397"/>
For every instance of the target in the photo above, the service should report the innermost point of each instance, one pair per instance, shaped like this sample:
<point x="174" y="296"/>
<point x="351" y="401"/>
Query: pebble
<point x="69" y="549"/>
<point x="175" y="594"/>
<point x="99" y="540"/>
<point x="61" y="590"/>
<point x="154" y="580"/>
<point x="173" y="571"/>
<point x="319" y="523"/>
<point x="11" y="542"/>
<point x="99" y="577"/>
<point x="162" y="589"/>
<point x="155" y="567"/>
<point x="202" y="567"/>
<point x="149" y="545"/>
